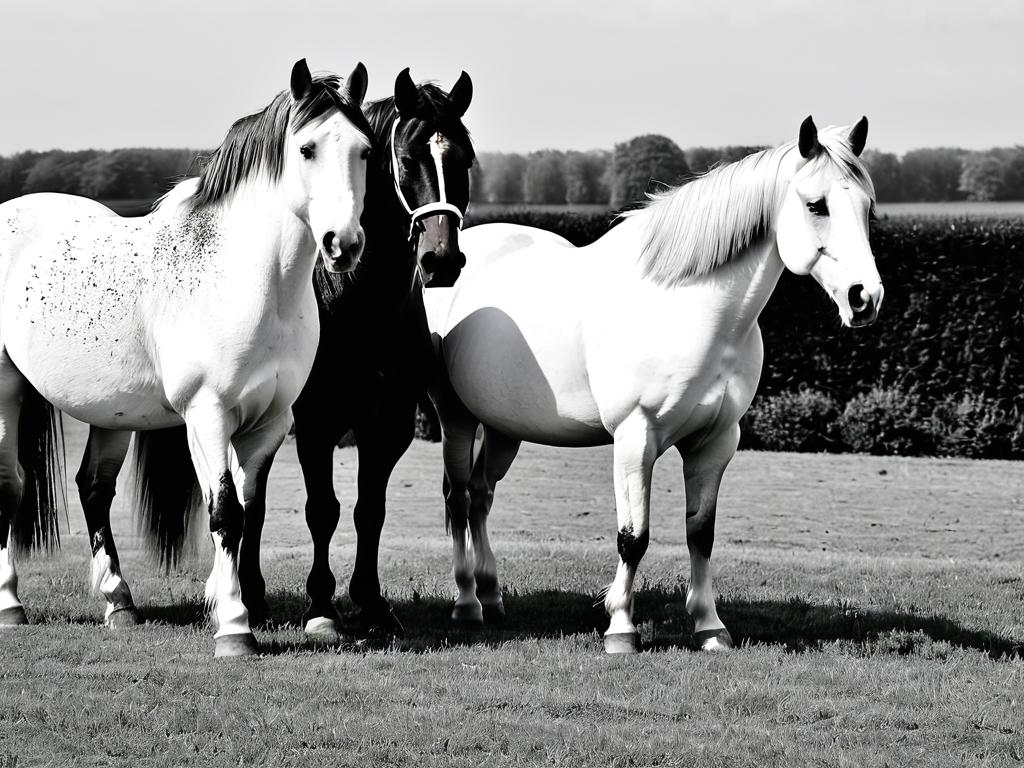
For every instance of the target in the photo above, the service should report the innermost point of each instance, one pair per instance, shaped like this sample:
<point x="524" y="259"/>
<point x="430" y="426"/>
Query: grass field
<point x="879" y="603"/>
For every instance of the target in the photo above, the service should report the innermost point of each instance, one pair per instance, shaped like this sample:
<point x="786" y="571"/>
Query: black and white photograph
<point x="512" y="384"/>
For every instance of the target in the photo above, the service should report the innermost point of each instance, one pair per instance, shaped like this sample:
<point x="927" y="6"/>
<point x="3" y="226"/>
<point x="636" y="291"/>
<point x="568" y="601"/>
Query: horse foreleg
<point x="633" y="459"/>
<point x="315" y="441"/>
<point x="380" y="447"/>
<point x="12" y="482"/>
<point x="255" y="453"/>
<point x="497" y="452"/>
<point x="210" y="428"/>
<point x="96" y="480"/>
<point x="702" y="470"/>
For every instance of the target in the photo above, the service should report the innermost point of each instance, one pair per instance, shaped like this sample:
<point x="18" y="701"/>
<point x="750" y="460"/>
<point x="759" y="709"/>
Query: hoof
<point x="13" y="616"/>
<point x="322" y="630"/>
<point x="124" y="617"/>
<point x="241" y="644"/>
<point x="494" y="613"/>
<point x="470" y="616"/>
<point x="713" y="639"/>
<point x="621" y="642"/>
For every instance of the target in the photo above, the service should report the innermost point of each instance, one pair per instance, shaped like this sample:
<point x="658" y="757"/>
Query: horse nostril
<point x="859" y="298"/>
<point x="429" y="261"/>
<point x="328" y="242"/>
<point x="460" y="260"/>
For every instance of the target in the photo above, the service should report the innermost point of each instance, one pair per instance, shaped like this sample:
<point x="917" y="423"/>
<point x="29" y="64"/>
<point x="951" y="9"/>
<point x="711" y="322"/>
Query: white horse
<point x="646" y="339"/>
<point x="201" y="313"/>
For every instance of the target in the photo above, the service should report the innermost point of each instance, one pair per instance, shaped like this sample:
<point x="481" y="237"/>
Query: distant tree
<point x="58" y="171"/>
<point x="932" y="174"/>
<point x="13" y="171"/>
<point x="886" y="174"/>
<point x="477" y="190"/>
<point x="983" y="176"/>
<point x="585" y="177"/>
<point x="135" y="174"/>
<point x="544" y="180"/>
<point x="1012" y="159"/>
<point x="703" y="159"/>
<point x="503" y="176"/>
<point x="642" y="160"/>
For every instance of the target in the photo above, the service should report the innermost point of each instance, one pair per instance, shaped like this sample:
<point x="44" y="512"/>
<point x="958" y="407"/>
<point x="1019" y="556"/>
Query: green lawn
<point x="878" y="602"/>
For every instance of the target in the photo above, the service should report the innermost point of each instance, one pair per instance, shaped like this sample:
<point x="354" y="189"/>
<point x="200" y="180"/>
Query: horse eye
<point x="365" y="154"/>
<point x="306" y="150"/>
<point x="818" y="207"/>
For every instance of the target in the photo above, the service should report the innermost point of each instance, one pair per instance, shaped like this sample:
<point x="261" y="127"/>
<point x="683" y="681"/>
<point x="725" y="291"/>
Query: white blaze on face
<point x="438" y="144"/>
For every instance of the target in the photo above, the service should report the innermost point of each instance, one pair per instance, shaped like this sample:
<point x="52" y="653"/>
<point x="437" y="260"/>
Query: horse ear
<point x="858" y="136"/>
<point x="302" y="81"/>
<point x="354" y="89"/>
<point x="407" y="98"/>
<point x="461" y="94"/>
<point x="809" y="145"/>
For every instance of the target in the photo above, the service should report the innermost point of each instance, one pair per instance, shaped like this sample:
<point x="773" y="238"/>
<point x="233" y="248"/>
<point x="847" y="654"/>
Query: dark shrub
<point x="973" y="426"/>
<point x="794" y="421"/>
<point x="887" y="421"/>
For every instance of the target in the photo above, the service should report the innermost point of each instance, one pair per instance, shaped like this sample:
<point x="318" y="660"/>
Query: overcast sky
<point x="570" y="75"/>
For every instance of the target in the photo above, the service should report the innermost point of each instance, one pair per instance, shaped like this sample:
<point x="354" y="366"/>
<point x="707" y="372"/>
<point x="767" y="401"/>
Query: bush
<point x="887" y="421"/>
<point x="973" y="426"/>
<point x="794" y="421"/>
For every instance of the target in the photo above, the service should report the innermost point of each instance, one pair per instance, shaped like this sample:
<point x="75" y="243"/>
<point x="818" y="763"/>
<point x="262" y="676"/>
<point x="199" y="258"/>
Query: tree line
<point x="613" y="178"/>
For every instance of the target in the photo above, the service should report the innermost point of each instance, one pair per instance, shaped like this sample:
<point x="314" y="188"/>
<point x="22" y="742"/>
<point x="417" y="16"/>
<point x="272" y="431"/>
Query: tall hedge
<point x="952" y="322"/>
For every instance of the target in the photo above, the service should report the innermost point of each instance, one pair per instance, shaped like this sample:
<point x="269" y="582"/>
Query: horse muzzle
<point x="342" y="255"/>
<point x="442" y="272"/>
<point x="864" y="305"/>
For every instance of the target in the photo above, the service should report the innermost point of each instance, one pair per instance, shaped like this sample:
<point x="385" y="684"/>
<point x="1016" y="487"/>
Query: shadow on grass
<point x="797" y="625"/>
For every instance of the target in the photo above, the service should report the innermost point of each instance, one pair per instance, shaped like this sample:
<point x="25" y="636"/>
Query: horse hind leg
<point x="702" y="471"/>
<point x="12" y="480"/>
<point x="492" y="462"/>
<point x="633" y="459"/>
<point x="457" y="447"/>
<point x="104" y="455"/>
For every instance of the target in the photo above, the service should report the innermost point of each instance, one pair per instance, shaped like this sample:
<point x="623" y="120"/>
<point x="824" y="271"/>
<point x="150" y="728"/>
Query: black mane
<point x="434" y="108"/>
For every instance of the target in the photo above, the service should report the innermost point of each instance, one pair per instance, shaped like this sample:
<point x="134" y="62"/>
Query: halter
<point x="441" y="206"/>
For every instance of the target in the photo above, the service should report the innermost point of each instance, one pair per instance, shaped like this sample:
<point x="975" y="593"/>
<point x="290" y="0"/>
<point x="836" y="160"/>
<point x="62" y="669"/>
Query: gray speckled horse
<point x="201" y="314"/>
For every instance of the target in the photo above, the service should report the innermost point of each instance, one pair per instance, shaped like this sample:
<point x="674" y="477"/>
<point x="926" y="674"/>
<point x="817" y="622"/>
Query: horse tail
<point x="165" y="494"/>
<point x="41" y="455"/>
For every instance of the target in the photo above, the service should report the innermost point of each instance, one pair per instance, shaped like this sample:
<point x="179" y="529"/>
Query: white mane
<point x="699" y="226"/>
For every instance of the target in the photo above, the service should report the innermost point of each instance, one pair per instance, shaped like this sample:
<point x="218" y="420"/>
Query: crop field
<point x="878" y="603"/>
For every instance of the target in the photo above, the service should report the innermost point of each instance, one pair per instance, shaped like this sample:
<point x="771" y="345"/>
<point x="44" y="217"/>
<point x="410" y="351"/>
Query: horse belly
<point x="101" y="384"/>
<point x="528" y="381"/>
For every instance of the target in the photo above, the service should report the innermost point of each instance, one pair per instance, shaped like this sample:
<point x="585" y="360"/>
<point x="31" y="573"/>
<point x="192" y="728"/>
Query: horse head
<point x="431" y="154"/>
<point x="822" y="225"/>
<point x="324" y="168"/>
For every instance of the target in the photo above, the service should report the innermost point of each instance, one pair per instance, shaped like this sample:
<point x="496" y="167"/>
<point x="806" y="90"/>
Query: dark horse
<point x="417" y="191"/>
